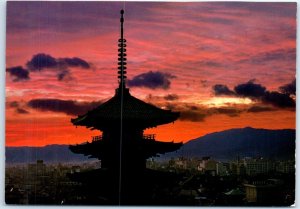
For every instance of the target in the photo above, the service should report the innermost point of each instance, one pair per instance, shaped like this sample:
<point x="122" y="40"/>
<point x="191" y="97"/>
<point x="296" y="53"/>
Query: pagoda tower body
<point x="123" y="148"/>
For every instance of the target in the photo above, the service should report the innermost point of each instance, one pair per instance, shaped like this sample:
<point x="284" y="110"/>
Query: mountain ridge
<point x="243" y="142"/>
<point x="221" y="145"/>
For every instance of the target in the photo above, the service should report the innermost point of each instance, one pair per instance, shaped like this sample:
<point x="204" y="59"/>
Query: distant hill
<point x="49" y="153"/>
<point x="224" y="145"/>
<point x="243" y="142"/>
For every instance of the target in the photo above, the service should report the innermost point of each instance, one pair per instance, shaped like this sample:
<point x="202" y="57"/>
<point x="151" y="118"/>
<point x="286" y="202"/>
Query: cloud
<point x="171" y="97"/>
<point x="256" y="109"/>
<point x="229" y="111"/>
<point x="278" y="99"/>
<point x="152" y="80"/>
<point x="198" y="113"/>
<point x="220" y="89"/>
<point x="250" y="89"/>
<point x="69" y="107"/>
<point x="18" y="73"/>
<point x="193" y="116"/>
<point x="74" y="62"/>
<point x="260" y="93"/>
<point x="22" y="111"/>
<point x="64" y="75"/>
<point x="18" y="107"/>
<point x="289" y="88"/>
<point x="43" y="61"/>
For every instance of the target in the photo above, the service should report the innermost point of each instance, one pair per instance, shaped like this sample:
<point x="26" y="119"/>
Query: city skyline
<point x="222" y="65"/>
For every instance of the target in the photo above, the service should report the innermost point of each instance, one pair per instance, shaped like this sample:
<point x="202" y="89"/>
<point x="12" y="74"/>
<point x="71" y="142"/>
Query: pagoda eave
<point x="103" y="123"/>
<point x="151" y="148"/>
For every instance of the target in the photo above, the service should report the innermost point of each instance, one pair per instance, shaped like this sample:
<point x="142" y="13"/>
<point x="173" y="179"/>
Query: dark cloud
<point x="255" y="109"/>
<point x="18" y="73"/>
<point x="42" y="61"/>
<point x="171" y="97"/>
<point x="152" y="80"/>
<point x="250" y="89"/>
<point x="74" y="62"/>
<point x="232" y="112"/>
<point x="64" y="75"/>
<point x="198" y="113"/>
<point x="22" y="111"/>
<point x="289" y="88"/>
<point x="278" y="99"/>
<point x="220" y="89"/>
<point x="194" y="116"/>
<point x="18" y="107"/>
<point x="258" y="92"/>
<point x="189" y="112"/>
<point x="68" y="107"/>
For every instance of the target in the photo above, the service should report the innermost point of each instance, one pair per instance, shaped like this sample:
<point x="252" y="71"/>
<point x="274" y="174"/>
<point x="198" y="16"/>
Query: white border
<point x="2" y="106"/>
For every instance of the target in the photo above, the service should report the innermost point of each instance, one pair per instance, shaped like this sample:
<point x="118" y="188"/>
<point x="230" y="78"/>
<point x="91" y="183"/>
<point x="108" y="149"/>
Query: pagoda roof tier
<point x="134" y="112"/>
<point x="149" y="148"/>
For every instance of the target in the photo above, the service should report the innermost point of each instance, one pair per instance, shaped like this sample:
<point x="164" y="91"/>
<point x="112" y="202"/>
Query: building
<point x="221" y="169"/>
<point x="258" y="166"/>
<point x="267" y="192"/>
<point x="123" y="147"/>
<point x="252" y="166"/>
<point x="286" y="166"/>
<point x="208" y="165"/>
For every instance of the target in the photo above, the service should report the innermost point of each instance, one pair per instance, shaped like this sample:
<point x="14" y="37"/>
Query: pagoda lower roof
<point x="150" y="148"/>
<point x="135" y="112"/>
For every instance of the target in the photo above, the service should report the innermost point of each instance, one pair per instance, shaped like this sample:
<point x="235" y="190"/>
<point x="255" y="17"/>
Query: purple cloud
<point x="69" y="107"/>
<point x="152" y="80"/>
<point x="250" y="89"/>
<point x="258" y="92"/>
<point x="220" y="89"/>
<point x="289" y="88"/>
<point x="18" y="73"/>
<point x="42" y="61"/>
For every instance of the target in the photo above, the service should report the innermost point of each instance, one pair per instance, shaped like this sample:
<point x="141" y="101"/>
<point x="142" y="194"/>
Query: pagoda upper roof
<point x="149" y="148"/>
<point x="135" y="111"/>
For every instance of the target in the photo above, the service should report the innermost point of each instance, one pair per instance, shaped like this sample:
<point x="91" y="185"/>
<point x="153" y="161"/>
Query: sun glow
<point x="225" y="101"/>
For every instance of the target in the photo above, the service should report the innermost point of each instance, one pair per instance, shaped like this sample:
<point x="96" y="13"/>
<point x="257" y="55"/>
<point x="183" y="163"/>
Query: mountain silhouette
<point x="49" y="154"/>
<point x="242" y="142"/>
<point x="224" y="145"/>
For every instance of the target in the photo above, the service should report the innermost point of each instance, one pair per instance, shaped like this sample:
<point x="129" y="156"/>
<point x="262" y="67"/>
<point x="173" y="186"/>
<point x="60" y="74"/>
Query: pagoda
<point x="123" y="147"/>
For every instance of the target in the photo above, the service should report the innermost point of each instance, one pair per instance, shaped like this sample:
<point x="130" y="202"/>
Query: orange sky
<point x="220" y="64"/>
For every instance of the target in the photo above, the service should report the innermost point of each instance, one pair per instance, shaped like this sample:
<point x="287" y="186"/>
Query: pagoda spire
<point x="122" y="55"/>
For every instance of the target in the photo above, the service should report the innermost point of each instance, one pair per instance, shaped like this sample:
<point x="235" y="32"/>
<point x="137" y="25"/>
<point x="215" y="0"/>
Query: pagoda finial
<point x="122" y="55"/>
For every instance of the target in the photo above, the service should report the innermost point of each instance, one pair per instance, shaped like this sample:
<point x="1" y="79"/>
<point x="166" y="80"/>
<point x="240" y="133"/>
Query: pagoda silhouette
<point x="123" y="148"/>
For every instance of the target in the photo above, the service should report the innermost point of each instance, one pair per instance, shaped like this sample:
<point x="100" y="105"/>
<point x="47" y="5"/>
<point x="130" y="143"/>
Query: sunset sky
<point x="222" y="65"/>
